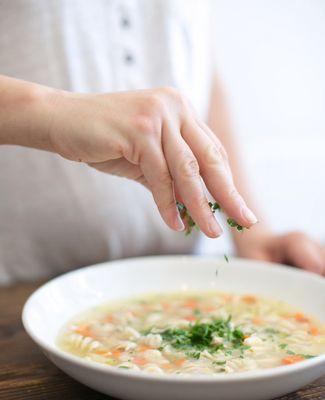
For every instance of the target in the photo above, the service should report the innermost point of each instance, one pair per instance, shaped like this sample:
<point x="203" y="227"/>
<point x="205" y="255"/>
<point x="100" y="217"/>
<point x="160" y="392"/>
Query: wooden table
<point x="25" y="373"/>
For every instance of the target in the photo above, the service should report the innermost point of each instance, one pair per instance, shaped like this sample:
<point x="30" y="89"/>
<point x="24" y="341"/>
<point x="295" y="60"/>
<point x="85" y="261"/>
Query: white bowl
<point x="62" y="298"/>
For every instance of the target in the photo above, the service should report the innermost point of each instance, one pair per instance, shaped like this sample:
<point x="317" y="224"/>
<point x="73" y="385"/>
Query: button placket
<point x="129" y="40"/>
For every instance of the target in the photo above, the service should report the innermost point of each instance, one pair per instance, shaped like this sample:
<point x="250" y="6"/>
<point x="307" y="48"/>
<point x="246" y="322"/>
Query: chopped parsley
<point x="200" y="336"/>
<point x="185" y="215"/>
<point x="272" y="331"/>
<point x="219" y="362"/>
<point x="306" y="356"/>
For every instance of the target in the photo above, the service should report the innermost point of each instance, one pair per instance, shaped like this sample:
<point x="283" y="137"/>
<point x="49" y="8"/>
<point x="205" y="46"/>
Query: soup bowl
<point x="53" y="304"/>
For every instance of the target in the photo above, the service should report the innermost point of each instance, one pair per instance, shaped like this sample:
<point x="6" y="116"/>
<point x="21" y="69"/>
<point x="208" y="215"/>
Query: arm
<point x="25" y="112"/>
<point x="260" y="242"/>
<point x="151" y="136"/>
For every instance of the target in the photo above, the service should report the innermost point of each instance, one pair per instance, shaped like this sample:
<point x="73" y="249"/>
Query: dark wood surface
<point x="25" y="373"/>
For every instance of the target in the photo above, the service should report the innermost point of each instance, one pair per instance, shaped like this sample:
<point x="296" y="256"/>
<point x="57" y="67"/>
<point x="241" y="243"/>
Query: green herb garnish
<point x="219" y="362"/>
<point x="199" y="337"/>
<point x="231" y="222"/>
<point x="185" y="215"/>
<point x="271" y="331"/>
<point x="226" y="258"/>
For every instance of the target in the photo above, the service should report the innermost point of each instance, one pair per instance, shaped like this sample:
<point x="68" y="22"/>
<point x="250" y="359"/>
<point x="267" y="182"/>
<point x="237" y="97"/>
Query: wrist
<point x="26" y="113"/>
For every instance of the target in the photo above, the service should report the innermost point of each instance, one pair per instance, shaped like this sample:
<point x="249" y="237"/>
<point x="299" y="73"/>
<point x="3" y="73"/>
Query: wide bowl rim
<point x="147" y="376"/>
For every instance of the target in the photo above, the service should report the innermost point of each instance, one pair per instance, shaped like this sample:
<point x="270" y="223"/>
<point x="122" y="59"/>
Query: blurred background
<point x="271" y="59"/>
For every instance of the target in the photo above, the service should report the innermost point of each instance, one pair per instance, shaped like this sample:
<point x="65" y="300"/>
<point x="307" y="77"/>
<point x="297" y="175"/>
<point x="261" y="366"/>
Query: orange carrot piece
<point x="301" y="317"/>
<point x="292" y="359"/>
<point x="257" y="320"/>
<point x="139" y="361"/>
<point x="84" y="330"/>
<point x="249" y="299"/>
<point x="209" y="309"/>
<point x="109" y="318"/>
<point x="191" y="318"/>
<point x="166" y="306"/>
<point x="179" y="362"/>
<point x="314" y="330"/>
<point x="143" y="347"/>
<point x="167" y="366"/>
<point x="116" y="353"/>
<point x="101" y="351"/>
<point x="191" y="303"/>
<point x="227" y="297"/>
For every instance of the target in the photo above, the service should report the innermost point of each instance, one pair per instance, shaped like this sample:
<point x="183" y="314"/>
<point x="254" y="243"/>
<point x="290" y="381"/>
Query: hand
<point x="155" y="138"/>
<point x="294" y="248"/>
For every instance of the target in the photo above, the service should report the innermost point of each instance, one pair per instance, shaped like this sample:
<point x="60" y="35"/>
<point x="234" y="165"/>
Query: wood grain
<point x="25" y="373"/>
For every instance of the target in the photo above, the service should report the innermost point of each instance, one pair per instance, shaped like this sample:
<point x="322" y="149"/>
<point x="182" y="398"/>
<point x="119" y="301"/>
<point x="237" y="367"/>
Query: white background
<point x="271" y="57"/>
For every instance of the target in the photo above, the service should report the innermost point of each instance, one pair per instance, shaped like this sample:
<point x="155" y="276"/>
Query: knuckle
<point x="155" y="104"/>
<point x="173" y="94"/>
<point x="223" y="153"/>
<point x="165" y="179"/>
<point x="233" y="194"/>
<point x="202" y="204"/>
<point x="145" y="125"/>
<point x="189" y="167"/>
<point x="213" y="156"/>
<point x="297" y="236"/>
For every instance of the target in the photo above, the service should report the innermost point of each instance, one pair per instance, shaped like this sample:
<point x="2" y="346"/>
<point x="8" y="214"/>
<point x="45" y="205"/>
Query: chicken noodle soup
<point x="194" y="333"/>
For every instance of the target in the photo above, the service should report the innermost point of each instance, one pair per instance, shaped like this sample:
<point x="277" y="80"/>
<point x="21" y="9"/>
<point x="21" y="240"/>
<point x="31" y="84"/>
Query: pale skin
<point x="153" y="137"/>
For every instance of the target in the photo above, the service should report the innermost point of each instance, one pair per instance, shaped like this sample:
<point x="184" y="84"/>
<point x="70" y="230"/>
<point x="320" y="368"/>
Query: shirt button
<point x="128" y="58"/>
<point x="125" y="22"/>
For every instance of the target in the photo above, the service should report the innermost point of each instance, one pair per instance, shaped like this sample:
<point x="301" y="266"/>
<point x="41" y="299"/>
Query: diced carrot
<point x="109" y="318"/>
<point x="257" y="320"/>
<point x="143" y="347"/>
<point x="227" y="297"/>
<point x="301" y="317"/>
<point x="116" y="353"/>
<point x="139" y="361"/>
<point x="84" y="330"/>
<point x="165" y="306"/>
<point x="249" y="299"/>
<point x="246" y="336"/>
<point x="179" y="362"/>
<point x="292" y="359"/>
<point x="167" y="366"/>
<point x="101" y="351"/>
<point x="191" y="303"/>
<point x="314" y="330"/>
<point x="191" y="318"/>
<point x="209" y="309"/>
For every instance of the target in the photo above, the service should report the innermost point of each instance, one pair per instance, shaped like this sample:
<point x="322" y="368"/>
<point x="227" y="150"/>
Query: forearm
<point x="219" y="122"/>
<point x="25" y="113"/>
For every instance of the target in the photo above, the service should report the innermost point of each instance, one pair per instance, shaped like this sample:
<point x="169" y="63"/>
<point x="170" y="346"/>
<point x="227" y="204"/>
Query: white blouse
<point x="56" y="215"/>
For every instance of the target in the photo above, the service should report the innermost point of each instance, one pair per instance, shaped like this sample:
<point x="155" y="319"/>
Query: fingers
<point x="303" y="252"/>
<point x="216" y="174"/>
<point x="156" y="173"/>
<point x="185" y="172"/>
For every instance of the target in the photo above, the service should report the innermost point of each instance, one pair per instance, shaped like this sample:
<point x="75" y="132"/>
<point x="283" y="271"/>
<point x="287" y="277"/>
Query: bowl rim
<point x="147" y="376"/>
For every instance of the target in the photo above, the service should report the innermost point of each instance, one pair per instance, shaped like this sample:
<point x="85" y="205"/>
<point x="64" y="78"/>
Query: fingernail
<point x="179" y="225"/>
<point x="214" y="229"/>
<point x="249" y="215"/>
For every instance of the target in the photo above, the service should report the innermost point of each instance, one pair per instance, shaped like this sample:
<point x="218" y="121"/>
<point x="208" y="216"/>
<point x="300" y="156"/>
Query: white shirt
<point x="54" y="214"/>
